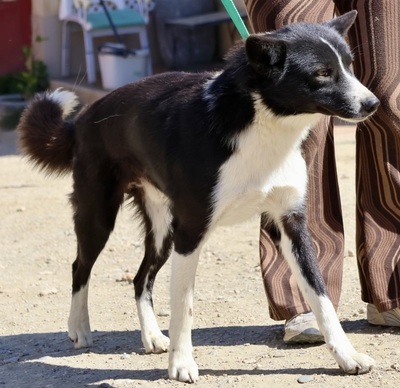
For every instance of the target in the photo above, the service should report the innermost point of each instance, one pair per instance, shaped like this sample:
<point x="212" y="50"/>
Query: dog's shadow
<point x="34" y="359"/>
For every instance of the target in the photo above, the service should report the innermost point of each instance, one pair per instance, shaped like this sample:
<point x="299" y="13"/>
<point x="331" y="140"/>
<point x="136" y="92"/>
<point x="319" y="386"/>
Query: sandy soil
<point x="236" y="343"/>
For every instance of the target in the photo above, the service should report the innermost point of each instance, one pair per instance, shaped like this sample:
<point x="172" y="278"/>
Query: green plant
<point x="16" y="89"/>
<point x="35" y="78"/>
<point x="32" y="80"/>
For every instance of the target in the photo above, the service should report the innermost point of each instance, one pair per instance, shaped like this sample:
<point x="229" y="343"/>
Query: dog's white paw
<point x="182" y="368"/>
<point x="352" y="362"/>
<point x="155" y="343"/>
<point x="78" y="322"/>
<point x="80" y="335"/>
<point x="79" y="332"/>
<point x="357" y="364"/>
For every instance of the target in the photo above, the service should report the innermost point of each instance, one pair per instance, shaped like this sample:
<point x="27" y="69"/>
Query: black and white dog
<point x="195" y="151"/>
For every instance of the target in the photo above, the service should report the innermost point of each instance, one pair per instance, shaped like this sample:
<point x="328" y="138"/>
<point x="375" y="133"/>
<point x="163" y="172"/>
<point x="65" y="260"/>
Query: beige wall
<point x="45" y="23"/>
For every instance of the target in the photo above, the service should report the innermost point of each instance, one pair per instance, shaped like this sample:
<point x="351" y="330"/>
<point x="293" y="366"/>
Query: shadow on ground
<point x="26" y="359"/>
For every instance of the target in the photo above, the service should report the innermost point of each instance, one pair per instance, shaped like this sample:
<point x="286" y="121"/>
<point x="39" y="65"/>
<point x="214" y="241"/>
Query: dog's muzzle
<point x="369" y="106"/>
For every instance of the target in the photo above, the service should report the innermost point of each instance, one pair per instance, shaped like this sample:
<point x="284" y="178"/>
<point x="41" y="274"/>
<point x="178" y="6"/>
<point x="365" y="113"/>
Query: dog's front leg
<point x="182" y="366"/>
<point x="297" y="248"/>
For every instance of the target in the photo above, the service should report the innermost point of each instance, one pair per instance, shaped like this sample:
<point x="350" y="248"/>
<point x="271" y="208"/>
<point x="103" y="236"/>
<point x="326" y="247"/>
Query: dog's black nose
<point x="370" y="105"/>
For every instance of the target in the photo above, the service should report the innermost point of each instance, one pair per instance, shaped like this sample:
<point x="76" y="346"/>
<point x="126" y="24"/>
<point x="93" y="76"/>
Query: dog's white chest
<point x="266" y="171"/>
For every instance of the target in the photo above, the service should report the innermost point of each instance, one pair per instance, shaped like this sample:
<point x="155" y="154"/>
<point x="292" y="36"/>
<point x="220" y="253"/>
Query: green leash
<point x="235" y="16"/>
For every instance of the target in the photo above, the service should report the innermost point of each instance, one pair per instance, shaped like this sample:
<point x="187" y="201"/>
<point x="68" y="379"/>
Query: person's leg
<point x="272" y="14"/>
<point x="376" y="37"/>
<point x="324" y="211"/>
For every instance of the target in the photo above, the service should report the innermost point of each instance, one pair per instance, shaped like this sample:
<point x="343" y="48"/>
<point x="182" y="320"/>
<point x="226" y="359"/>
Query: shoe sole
<point x="304" y="338"/>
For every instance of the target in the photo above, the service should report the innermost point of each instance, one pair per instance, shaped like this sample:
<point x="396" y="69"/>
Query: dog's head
<point x="306" y="68"/>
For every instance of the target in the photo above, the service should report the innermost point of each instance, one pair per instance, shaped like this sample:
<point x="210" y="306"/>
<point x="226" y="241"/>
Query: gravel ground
<point x="236" y="343"/>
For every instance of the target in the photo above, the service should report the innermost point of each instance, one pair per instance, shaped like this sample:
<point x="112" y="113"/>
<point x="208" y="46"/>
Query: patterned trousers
<point x="375" y="41"/>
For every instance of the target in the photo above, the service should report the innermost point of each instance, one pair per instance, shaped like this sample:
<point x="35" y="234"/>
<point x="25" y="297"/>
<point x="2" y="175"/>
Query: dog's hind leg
<point x="297" y="248"/>
<point x="154" y="209"/>
<point x="96" y="200"/>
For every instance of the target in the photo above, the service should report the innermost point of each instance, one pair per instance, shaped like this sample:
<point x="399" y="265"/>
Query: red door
<point x="15" y="32"/>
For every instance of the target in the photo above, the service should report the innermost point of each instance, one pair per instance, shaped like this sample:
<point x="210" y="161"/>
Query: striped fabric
<point x="376" y="42"/>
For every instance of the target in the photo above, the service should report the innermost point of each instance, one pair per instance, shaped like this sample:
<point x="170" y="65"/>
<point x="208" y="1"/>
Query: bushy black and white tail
<point x="44" y="135"/>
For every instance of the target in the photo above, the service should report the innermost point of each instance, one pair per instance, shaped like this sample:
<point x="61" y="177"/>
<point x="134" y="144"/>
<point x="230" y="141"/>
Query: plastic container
<point x="120" y="66"/>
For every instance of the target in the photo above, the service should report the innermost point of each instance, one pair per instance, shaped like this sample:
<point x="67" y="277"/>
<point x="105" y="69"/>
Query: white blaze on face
<point x="356" y="91"/>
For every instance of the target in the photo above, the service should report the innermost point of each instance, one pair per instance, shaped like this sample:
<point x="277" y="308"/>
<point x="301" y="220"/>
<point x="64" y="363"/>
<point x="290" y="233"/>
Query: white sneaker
<point x="387" y="318"/>
<point x="302" y="329"/>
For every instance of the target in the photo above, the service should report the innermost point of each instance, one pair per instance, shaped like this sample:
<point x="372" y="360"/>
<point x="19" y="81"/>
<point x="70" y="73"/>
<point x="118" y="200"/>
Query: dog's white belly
<point x="243" y="208"/>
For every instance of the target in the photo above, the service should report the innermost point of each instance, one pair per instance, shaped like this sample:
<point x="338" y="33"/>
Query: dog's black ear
<point x="343" y="23"/>
<point x="265" y="53"/>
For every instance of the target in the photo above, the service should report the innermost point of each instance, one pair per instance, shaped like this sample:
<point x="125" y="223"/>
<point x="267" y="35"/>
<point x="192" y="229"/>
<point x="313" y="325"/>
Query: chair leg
<point x="90" y="58"/>
<point x="65" y="49"/>
<point x="144" y="43"/>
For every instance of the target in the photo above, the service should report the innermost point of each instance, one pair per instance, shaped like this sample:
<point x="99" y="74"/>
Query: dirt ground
<point x="236" y="344"/>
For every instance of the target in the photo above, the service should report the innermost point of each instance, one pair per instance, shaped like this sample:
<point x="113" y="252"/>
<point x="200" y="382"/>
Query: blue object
<point x="237" y="20"/>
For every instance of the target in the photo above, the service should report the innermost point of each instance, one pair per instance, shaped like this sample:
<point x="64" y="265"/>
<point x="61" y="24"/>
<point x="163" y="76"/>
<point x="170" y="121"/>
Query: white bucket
<point x="117" y="70"/>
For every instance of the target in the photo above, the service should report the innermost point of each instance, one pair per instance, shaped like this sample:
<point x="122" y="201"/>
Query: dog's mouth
<point x="356" y="118"/>
<point x="366" y="109"/>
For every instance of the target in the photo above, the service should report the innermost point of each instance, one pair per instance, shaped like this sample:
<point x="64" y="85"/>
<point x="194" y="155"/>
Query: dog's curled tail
<point x="44" y="135"/>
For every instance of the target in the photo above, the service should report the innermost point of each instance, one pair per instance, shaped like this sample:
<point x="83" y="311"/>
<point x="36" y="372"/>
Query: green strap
<point x="235" y="16"/>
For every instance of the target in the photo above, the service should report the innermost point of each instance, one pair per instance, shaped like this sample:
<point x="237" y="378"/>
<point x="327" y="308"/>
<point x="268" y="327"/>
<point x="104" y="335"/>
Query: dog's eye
<point x="323" y="73"/>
